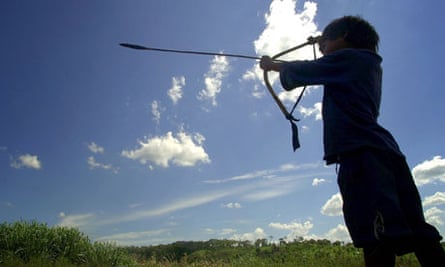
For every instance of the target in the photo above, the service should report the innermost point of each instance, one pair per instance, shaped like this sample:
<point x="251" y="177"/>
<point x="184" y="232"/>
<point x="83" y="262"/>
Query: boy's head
<point x="354" y="31"/>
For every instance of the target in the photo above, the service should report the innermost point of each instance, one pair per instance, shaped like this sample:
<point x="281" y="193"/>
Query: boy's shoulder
<point x="354" y="54"/>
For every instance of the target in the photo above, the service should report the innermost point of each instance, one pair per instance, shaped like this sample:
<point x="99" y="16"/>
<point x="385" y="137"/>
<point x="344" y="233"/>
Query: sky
<point x="145" y="148"/>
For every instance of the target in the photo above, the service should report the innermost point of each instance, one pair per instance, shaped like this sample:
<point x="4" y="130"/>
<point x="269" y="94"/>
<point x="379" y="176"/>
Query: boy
<point x="382" y="207"/>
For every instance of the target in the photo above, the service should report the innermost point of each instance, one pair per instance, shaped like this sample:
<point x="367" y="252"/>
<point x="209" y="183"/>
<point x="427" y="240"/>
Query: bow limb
<point x="274" y="95"/>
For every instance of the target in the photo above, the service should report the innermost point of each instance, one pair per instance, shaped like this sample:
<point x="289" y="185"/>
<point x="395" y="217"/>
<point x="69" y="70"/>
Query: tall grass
<point x="35" y="244"/>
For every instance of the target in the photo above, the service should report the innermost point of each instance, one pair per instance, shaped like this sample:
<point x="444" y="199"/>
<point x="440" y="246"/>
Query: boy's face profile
<point x="327" y="46"/>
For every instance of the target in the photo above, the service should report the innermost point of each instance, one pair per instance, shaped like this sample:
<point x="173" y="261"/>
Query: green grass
<point x="35" y="244"/>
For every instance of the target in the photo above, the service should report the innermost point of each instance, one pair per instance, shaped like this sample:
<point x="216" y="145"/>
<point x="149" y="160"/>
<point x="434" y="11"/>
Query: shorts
<point x="381" y="202"/>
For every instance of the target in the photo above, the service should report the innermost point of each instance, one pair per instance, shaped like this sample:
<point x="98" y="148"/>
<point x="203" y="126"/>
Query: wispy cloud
<point x="135" y="238"/>
<point x="27" y="161"/>
<point x="95" y="148"/>
<point x="156" y="111"/>
<point x="93" y="164"/>
<point x="183" y="150"/>
<point x="175" y="92"/>
<point x="213" y="79"/>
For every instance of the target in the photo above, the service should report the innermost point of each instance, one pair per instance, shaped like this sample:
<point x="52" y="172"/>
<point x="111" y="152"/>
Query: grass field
<point x="35" y="244"/>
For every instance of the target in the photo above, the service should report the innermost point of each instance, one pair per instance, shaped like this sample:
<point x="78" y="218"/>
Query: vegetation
<point x="36" y="244"/>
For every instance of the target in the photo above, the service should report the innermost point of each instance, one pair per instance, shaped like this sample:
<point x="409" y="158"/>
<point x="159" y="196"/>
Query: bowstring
<point x="302" y="92"/>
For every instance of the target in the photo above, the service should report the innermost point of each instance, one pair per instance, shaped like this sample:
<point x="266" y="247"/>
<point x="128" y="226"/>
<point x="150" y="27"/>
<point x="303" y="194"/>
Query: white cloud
<point x="133" y="238"/>
<point x="285" y="28"/>
<point x="155" y="111"/>
<point x="27" y="161"/>
<point x="430" y="171"/>
<point x="295" y="229"/>
<point x="182" y="150"/>
<point x="213" y="79"/>
<point x="93" y="164"/>
<point x="175" y="92"/>
<point x="437" y="199"/>
<point x="93" y="147"/>
<point x="339" y="233"/>
<point x="232" y="205"/>
<point x="434" y="216"/>
<point x="76" y="220"/>
<point x="315" y="111"/>
<point x="177" y="205"/>
<point x="318" y="181"/>
<point x="333" y="207"/>
<point x="255" y="235"/>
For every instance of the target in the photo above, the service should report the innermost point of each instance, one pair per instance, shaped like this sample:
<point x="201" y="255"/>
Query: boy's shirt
<point x="352" y="80"/>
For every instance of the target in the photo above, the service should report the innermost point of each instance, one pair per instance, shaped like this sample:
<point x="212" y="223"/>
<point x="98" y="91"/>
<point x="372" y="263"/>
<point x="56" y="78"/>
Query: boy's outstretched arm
<point x="267" y="64"/>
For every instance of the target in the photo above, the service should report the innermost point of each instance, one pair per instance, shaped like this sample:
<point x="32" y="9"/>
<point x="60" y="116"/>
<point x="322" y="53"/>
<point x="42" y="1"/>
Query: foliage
<point x="36" y="244"/>
<point x="32" y="244"/>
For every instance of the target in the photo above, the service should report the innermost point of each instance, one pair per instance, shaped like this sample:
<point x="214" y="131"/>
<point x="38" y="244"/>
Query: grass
<point x="35" y="244"/>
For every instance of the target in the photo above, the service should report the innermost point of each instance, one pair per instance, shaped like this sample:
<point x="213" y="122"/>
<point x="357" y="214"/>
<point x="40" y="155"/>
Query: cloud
<point x="339" y="233"/>
<point x="213" y="79"/>
<point x="437" y="199"/>
<point x="295" y="229"/>
<point x="134" y="238"/>
<point x="177" y="205"/>
<point x="93" y="147"/>
<point x="285" y="28"/>
<point x="76" y="220"/>
<point x="175" y="92"/>
<point x="255" y="235"/>
<point x="93" y="164"/>
<point x="433" y="216"/>
<point x="183" y="150"/>
<point x="430" y="171"/>
<point x="317" y="181"/>
<point x="155" y="111"/>
<point x="27" y="161"/>
<point x="333" y="207"/>
<point x="315" y="111"/>
<point x="232" y="205"/>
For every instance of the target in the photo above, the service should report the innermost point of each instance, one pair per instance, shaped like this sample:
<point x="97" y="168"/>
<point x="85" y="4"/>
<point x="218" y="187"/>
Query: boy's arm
<point x="267" y="64"/>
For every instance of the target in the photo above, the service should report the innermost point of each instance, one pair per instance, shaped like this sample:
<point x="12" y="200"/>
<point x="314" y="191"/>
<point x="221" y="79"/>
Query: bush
<point x="32" y="243"/>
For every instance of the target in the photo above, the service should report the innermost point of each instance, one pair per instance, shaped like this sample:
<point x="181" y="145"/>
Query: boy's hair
<point x="355" y="30"/>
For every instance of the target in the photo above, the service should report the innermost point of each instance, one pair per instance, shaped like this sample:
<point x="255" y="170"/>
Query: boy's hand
<point x="267" y="64"/>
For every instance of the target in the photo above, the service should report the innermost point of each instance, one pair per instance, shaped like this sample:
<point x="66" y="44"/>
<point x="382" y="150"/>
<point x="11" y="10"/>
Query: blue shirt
<point x="352" y="80"/>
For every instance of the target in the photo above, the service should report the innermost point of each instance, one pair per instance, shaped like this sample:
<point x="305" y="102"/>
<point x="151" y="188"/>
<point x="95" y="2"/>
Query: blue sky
<point x="146" y="148"/>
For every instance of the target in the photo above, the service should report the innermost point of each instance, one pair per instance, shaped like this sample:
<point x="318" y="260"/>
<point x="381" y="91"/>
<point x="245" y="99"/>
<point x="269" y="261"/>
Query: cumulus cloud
<point x="294" y="228"/>
<point x="315" y="111"/>
<point x="333" y="207"/>
<point x="27" y="161"/>
<point x="318" y="181"/>
<point x="183" y="150"/>
<point x="434" y="216"/>
<point x="93" y="147"/>
<point x="175" y="92"/>
<point x="437" y="199"/>
<point x="285" y="28"/>
<point x="213" y="79"/>
<point x="430" y="171"/>
<point x="339" y="233"/>
<point x="255" y="235"/>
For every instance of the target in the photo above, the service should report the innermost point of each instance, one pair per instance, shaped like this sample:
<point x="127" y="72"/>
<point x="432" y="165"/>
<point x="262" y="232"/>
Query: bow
<point x="288" y="115"/>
